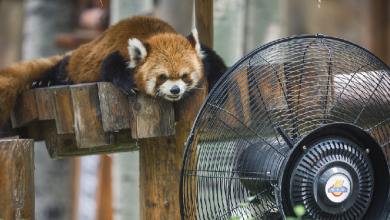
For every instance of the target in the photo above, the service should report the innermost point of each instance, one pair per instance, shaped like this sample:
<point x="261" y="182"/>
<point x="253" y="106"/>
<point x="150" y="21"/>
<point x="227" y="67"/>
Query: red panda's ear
<point x="194" y="40"/>
<point x="137" y="51"/>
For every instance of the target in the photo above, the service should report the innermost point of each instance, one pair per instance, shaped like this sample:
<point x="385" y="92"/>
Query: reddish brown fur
<point x="84" y="65"/>
<point x="181" y="54"/>
<point x="85" y="62"/>
<point x="17" y="78"/>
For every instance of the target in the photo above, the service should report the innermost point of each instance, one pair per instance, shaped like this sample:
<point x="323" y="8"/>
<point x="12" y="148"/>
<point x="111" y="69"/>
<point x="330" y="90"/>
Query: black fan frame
<point x="218" y="89"/>
<point x="380" y="205"/>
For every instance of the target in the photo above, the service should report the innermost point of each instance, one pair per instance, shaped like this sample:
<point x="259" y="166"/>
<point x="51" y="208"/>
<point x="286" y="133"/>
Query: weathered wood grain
<point x="63" y="109"/>
<point x="45" y="104"/>
<point x="88" y="117"/>
<point x="25" y="110"/>
<point x="65" y="145"/>
<point x="151" y="117"/>
<point x="17" y="193"/>
<point x="114" y="107"/>
<point x="160" y="164"/>
<point x="204" y="21"/>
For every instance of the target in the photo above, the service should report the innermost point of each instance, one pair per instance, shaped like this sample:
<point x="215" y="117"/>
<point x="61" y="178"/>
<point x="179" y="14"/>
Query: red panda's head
<point x="167" y="65"/>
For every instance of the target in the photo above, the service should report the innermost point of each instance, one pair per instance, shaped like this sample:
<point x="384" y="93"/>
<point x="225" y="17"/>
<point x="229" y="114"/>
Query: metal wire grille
<point x="296" y="84"/>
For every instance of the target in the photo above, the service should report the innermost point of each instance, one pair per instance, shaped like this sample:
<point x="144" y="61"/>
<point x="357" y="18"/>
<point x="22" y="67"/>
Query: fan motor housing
<point x="337" y="171"/>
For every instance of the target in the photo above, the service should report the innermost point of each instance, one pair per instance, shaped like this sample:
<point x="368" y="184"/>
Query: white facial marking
<point x="166" y="87"/>
<point x="197" y="44"/>
<point x="162" y="71"/>
<point x="184" y="70"/>
<point x="195" y="79"/>
<point x="150" y="85"/>
<point x="137" y="52"/>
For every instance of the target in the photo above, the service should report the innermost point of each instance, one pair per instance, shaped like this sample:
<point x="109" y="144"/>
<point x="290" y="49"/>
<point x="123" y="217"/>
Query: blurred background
<point x="107" y="187"/>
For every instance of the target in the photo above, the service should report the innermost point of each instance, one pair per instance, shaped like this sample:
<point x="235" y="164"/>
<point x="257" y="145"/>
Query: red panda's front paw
<point x="126" y="88"/>
<point x="41" y="83"/>
<point x="115" y="70"/>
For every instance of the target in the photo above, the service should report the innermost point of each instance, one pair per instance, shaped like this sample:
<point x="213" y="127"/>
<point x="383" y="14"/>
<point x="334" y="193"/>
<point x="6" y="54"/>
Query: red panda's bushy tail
<point x="17" y="78"/>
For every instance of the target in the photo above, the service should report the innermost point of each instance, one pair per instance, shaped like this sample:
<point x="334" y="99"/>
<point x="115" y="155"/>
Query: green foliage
<point x="299" y="211"/>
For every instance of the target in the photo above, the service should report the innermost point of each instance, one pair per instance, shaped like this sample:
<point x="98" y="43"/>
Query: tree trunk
<point x="53" y="179"/>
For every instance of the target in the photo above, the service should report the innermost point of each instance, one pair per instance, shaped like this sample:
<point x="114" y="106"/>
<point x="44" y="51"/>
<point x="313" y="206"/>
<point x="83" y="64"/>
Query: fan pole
<point x="161" y="157"/>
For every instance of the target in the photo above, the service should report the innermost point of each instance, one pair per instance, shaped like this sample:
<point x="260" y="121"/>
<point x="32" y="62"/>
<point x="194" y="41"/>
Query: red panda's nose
<point x="175" y="90"/>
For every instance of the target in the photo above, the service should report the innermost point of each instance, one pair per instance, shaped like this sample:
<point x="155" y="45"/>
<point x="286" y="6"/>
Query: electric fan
<point x="303" y="120"/>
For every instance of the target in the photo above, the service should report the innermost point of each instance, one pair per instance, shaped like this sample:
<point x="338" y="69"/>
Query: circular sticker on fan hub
<point x="338" y="187"/>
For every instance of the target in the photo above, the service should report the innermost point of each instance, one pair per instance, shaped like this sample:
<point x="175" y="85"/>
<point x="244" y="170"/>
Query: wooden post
<point x="160" y="164"/>
<point x="204" y="21"/>
<point x="161" y="157"/>
<point x="17" y="194"/>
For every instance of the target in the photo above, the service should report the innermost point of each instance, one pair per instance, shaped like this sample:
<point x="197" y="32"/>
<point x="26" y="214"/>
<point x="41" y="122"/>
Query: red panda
<point x="141" y="53"/>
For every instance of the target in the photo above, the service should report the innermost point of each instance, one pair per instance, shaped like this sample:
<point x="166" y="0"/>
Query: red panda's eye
<point x="184" y="76"/>
<point x="162" y="76"/>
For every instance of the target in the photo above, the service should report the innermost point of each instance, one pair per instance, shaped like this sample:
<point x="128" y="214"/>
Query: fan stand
<point x="95" y="118"/>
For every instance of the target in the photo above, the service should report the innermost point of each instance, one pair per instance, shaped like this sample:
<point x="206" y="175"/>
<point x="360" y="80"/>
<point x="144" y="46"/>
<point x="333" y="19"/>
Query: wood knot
<point x="166" y="204"/>
<point x="68" y="142"/>
<point x="137" y="106"/>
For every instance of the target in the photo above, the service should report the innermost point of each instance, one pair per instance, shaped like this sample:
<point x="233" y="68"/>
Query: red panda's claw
<point x="135" y="89"/>
<point x="33" y="84"/>
<point x="48" y="84"/>
<point x="40" y="83"/>
<point x="132" y="91"/>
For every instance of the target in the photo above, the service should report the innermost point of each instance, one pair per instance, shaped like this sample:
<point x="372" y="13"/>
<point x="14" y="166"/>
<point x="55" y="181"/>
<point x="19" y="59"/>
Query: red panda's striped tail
<point x="17" y="78"/>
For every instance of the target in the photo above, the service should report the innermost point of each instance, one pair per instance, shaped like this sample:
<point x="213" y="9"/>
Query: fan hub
<point x="338" y="187"/>
<point x="334" y="190"/>
<point x="331" y="178"/>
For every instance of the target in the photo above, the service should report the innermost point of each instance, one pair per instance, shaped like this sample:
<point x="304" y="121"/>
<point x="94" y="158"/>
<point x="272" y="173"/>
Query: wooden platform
<point x="95" y="118"/>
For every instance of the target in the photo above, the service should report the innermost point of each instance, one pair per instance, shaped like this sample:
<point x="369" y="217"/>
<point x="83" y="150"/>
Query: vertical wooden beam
<point x="104" y="194"/>
<point x="379" y="25"/>
<point x="204" y="21"/>
<point x="160" y="164"/>
<point x="17" y="193"/>
<point x="161" y="157"/>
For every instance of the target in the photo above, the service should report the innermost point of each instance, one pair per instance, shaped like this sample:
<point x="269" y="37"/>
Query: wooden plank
<point x="114" y="107"/>
<point x="17" y="191"/>
<point x="63" y="109"/>
<point x="11" y="137"/>
<point x="35" y="131"/>
<point x="65" y="145"/>
<point x="204" y="21"/>
<point x="151" y="117"/>
<point x="88" y="117"/>
<point x="45" y="104"/>
<point x="160" y="163"/>
<point x="25" y="110"/>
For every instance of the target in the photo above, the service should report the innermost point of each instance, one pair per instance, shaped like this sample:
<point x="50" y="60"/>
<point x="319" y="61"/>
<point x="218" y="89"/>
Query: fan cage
<point x="296" y="84"/>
